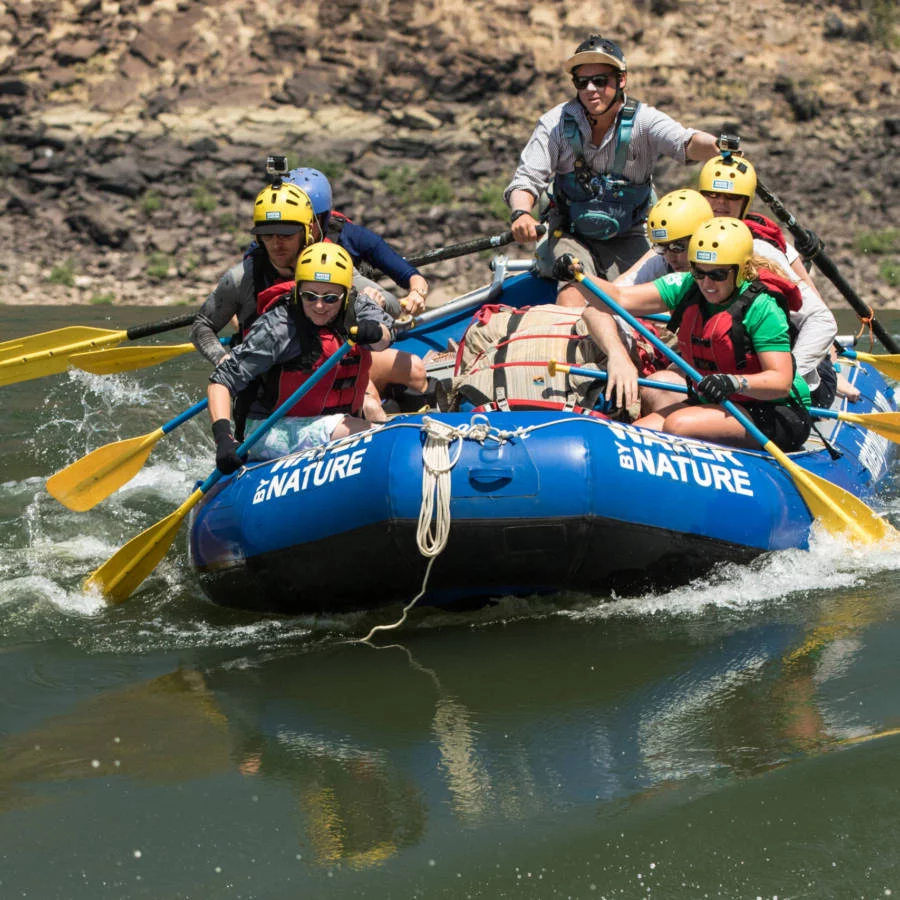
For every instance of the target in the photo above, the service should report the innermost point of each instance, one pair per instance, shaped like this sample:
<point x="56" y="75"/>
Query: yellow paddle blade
<point x="87" y="481"/>
<point x="125" y="359"/>
<point x="888" y="364"/>
<point x="10" y="349"/>
<point x="839" y="511"/>
<point x="117" y="578"/>
<point x="48" y="340"/>
<point x="51" y="361"/>
<point x="885" y="424"/>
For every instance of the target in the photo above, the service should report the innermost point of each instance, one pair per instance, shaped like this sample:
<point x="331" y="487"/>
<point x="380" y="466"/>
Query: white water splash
<point x="831" y="563"/>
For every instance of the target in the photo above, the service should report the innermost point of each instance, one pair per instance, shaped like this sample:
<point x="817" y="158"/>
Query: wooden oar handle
<point x="140" y="331"/>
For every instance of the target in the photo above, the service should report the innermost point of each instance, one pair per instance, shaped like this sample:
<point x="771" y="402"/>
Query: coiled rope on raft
<point x="433" y="528"/>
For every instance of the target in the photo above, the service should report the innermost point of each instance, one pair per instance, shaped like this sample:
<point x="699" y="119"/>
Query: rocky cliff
<point x="135" y="133"/>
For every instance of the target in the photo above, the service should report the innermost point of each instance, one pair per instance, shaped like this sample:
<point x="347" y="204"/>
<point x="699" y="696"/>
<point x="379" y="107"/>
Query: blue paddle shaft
<point x="282" y="410"/>
<point x="198" y="407"/>
<point x="682" y="389"/>
<point x="670" y="354"/>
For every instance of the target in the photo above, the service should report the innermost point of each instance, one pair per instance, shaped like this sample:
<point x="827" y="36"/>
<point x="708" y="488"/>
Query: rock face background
<point x="135" y="133"/>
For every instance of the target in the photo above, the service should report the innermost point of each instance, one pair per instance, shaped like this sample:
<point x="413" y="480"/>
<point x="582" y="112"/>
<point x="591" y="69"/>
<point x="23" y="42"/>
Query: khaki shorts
<point x="606" y="259"/>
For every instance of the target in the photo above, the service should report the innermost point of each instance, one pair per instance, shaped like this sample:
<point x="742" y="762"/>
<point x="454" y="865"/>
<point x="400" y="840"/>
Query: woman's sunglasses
<point x="313" y="297"/>
<point x="712" y="274"/>
<point x="599" y="81"/>
<point x="672" y="247"/>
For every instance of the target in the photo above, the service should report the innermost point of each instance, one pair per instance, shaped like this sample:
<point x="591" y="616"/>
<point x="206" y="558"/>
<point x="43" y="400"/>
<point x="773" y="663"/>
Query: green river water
<point x="735" y="738"/>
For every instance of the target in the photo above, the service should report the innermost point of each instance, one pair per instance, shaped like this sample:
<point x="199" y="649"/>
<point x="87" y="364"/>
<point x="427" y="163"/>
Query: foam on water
<point x="831" y="563"/>
<point x="47" y="550"/>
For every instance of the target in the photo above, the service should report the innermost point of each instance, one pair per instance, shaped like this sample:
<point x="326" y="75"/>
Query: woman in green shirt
<point x="735" y="331"/>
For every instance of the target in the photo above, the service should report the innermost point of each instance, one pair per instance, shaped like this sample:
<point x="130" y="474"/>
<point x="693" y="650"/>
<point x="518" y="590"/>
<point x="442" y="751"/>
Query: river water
<point x="735" y="738"/>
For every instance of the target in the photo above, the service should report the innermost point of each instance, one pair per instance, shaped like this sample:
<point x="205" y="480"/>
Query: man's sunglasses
<point x="329" y="299"/>
<point x="712" y="274"/>
<point x="672" y="247"/>
<point x="599" y="81"/>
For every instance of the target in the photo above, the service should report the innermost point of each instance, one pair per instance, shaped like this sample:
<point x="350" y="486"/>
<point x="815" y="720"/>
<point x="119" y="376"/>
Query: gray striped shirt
<point x="548" y="153"/>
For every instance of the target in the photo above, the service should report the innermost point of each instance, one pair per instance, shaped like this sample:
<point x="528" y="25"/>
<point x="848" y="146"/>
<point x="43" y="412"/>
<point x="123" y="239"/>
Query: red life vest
<point x="719" y="342"/>
<point x="343" y="390"/>
<point x="266" y="299"/>
<point x="767" y="230"/>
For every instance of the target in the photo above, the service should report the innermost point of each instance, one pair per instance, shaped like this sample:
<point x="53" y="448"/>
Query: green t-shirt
<point x="765" y="321"/>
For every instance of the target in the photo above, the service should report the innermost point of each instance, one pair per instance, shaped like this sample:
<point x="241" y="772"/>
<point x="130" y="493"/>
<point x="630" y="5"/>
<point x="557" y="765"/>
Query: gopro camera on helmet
<point x="729" y="143"/>
<point x="276" y="167"/>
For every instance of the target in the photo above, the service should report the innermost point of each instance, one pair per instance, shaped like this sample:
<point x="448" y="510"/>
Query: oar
<point x="87" y="481"/>
<point x="886" y="424"/>
<point x="810" y="246"/>
<point x="452" y="251"/>
<point x="117" y="578"/>
<point x="9" y="349"/>
<point x="463" y="249"/>
<point x="839" y="510"/>
<point x="49" y="353"/>
<point x="886" y="363"/>
<point x="127" y="359"/>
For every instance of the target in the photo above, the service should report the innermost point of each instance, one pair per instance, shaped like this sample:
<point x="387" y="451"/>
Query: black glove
<point x="564" y="267"/>
<point x="367" y="332"/>
<point x="718" y="387"/>
<point x="227" y="460"/>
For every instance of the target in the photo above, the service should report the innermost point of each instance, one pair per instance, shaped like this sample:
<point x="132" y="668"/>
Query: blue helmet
<point x="315" y="185"/>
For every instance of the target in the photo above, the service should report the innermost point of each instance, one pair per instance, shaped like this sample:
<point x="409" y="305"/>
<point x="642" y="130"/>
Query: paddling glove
<point x="563" y="268"/>
<point x="227" y="460"/>
<point x="718" y="387"/>
<point x="368" y="332"/>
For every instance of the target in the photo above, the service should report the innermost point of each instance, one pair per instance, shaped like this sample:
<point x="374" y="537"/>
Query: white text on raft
<point x="678" y="459"/>
<point x="317" y="471"/>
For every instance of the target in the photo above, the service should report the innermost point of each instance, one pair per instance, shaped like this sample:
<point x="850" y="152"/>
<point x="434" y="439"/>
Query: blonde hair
<point x="756" y="263"/>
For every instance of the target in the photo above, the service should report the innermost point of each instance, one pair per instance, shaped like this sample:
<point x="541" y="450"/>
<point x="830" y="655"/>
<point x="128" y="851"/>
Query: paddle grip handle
<point x="141" y="331"/>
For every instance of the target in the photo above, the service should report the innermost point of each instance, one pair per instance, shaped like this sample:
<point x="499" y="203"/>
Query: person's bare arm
<point x="524" y="229"/>
<point x="622" y="384"/>
<point x="701" y="147"/>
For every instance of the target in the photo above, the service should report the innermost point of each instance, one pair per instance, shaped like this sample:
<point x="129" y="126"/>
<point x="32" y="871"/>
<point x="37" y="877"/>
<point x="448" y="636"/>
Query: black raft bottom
<point x="380" y="564"/>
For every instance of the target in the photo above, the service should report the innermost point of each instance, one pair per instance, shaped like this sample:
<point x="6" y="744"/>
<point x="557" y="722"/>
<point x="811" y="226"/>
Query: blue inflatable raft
<point x="534" y="502"/>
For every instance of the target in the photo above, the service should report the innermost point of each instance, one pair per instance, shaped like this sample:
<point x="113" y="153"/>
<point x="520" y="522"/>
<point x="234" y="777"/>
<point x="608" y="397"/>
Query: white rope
<point x="432" y="536"/>
<point x="433" y="529"/>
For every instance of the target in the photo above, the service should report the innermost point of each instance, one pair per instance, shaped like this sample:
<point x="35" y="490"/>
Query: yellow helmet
<point x="677" y="215"/>
<point x="282" y="209"/>
<point x="326" y="262"/>
<point x="731" y="175"/>
<point x="723" y="241"/>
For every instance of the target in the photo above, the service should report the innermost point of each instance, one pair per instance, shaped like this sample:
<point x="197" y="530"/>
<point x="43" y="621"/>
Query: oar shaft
<point x="676" y="388"/>
<point x="142" y="331"/>
<point x="811" y="247"/>
<point x="198" y="407"/>
<point x="463" y="248"/>
<point x="671" y="355"/>
<point x="282" y="410"/>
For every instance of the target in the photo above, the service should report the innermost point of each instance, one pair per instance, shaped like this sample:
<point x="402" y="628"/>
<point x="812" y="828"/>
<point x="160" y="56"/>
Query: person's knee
<point x="418" y="374"/>
<point x="372" y="410"/>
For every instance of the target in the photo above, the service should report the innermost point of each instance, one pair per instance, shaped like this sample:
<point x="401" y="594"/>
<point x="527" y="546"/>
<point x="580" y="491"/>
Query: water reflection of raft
<point x="540" y="502"/>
